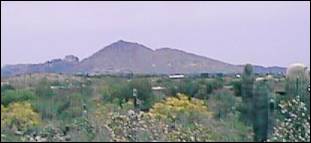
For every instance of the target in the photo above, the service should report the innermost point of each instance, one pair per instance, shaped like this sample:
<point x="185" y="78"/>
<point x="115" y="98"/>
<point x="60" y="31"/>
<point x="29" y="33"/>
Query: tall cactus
<point x="247" y="93"/>
<point x="298" y="80"/>
<point x="262" y="93"/>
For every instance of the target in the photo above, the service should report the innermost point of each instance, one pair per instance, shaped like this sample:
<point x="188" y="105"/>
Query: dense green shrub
<point x="6" y="87"/>
<point x="10" y="96"/>
<point x="46" y="107"/>
<point x="237" y="85"/>
<point x="199" y="88"/>
<point x="63" y="107"/>
<point x="144" y="93"/>
<point x="206" y="87"/>
<point x="230" y="129"/>
<point x="121" y="92"/>
<point x="188" y="87"/>
<point x="72" y="107"/>
<point x="222" y="104"/>
<point x="44" y="89"/>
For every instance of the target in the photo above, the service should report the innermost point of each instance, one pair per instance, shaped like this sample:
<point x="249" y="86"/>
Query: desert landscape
<point x="70" y="79"/>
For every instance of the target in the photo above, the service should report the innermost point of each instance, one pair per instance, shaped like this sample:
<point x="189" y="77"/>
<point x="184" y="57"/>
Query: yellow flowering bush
<point x="152" y="126"/>
<point x="19" y="115"/>
<point x="171" y="107"/>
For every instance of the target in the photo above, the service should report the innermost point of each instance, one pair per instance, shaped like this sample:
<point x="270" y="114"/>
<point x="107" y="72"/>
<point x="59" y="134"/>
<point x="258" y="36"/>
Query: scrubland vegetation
<point x="107" y="108"/>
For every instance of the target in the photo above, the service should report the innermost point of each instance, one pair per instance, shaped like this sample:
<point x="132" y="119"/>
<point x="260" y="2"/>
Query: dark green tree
<point x="122" y="92"/>
<point x="144" y="93"/>
<point x="189" y="87"/>
<point x="236" y="84"/>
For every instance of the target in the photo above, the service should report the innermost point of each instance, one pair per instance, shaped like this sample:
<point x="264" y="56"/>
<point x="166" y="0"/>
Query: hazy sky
<point x="264" y="33"/>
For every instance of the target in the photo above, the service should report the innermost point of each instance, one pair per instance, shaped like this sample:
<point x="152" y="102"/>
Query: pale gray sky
<point x="263" y="33"/>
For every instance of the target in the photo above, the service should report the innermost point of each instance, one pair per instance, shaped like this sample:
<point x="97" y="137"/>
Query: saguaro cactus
<point x="261" y="110"/>
<point x="298" y="80"/>
<point x="247" y="93"/>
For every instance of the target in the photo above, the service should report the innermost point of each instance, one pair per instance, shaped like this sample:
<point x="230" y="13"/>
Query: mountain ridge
<point x="123" y="57"/>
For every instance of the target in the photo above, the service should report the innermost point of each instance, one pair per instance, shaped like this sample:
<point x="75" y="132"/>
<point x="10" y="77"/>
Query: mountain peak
<point x="123" y="43"/>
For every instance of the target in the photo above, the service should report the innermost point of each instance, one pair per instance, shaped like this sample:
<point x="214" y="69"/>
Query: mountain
<point x="123" y="56"/>
<point x="129" y="57"/>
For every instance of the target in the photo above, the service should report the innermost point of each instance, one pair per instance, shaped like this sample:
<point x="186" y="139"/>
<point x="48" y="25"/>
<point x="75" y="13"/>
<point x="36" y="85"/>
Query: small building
<point x="58" y="87"/>
<point x="238" y="76"/>
<point x="176" y="76"/>
<point x="159" y="91"/>
<point x="158" y="88"/>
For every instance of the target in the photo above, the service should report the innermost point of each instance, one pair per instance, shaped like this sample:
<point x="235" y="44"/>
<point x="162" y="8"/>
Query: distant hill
<point x="52" y="66"/>
<point x="129" y="57"/>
